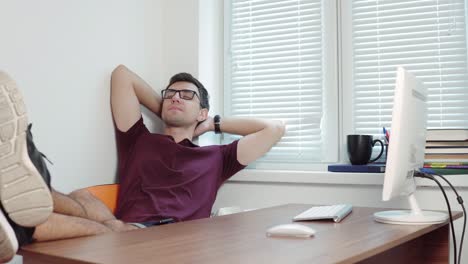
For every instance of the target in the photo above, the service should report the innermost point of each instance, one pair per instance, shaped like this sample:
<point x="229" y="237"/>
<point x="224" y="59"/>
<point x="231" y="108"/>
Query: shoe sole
<point x="8" y="241"/>
<point x="23" y="193"/>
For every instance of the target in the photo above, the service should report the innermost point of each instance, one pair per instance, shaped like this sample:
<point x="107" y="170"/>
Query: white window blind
<point x="428" y="37"/>
<point x="274" y="70"/>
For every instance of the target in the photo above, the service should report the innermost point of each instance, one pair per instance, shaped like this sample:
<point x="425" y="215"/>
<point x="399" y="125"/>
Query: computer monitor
<point x="406" y="151"/>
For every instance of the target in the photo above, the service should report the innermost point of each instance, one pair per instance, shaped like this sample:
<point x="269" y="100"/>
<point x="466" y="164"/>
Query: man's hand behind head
<point x="203" y="127"/>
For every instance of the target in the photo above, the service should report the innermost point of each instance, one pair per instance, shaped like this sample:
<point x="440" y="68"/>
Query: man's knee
<point x="81" y="194"/>
<point x="94" y="208"/>
<point x="68" y="205"/>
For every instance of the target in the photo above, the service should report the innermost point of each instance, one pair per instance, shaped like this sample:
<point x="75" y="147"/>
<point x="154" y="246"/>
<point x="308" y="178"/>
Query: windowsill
<point x="325" y="177"/>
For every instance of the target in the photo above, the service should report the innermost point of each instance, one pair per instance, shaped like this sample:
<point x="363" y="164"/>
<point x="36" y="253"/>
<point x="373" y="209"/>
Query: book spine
<point x="446" y="166"/>
<point x="450" y="171"/>
<point x="440" y="163"/>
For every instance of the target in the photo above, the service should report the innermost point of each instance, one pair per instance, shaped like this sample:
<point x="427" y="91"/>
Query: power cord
<point x="429" y="174"/>
<point x="460" y="201"/>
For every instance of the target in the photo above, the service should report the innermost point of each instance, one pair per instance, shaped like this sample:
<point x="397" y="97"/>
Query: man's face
<point x="177" y="111"/>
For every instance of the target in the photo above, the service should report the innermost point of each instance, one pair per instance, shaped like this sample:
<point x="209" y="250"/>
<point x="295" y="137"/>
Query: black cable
<point x="460" y="201"/>
<point x="429" y="176"/>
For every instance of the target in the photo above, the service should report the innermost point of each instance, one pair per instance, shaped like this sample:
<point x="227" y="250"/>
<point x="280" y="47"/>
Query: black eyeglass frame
<point x="181" y="94"/>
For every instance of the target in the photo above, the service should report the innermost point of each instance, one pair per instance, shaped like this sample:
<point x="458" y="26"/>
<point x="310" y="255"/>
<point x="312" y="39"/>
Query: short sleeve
<point x="230" y="164"/>
<point x="126" y="140"/>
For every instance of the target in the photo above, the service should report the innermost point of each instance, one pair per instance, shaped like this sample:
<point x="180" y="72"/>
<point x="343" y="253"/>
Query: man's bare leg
<point x="95" y="208"/>
<point x="81" y="203"/>
<point x="67" y="206"/>
<point x="60" y="226"/>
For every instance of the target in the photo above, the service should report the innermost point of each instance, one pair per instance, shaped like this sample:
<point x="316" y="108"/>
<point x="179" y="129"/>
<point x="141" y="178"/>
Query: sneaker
<point x="8" y="241"/>
<point x="23" y="192"/>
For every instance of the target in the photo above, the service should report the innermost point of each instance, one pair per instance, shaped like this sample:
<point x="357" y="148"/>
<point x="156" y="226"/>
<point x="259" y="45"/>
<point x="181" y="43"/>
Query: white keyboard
<point x="335" y="212"/>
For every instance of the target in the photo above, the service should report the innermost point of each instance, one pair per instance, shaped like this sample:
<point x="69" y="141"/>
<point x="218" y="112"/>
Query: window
<point x="291" y="59"/>
<point x="280" y="63"/>
<point x="428" y="37"/>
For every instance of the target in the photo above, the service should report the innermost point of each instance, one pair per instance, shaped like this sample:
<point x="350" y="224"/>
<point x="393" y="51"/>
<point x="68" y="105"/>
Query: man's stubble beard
<point x="178" y="122"/>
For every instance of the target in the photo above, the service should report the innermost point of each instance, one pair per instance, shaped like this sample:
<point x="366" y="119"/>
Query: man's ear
<point x="203" y="115"/>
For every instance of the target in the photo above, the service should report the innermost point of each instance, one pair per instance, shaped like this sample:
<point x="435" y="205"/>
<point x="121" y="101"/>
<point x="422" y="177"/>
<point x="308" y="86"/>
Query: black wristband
<point x="217" y="121"/>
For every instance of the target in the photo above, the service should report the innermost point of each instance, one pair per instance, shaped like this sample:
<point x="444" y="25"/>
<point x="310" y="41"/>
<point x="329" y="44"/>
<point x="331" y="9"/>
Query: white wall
<point x="180" y="37"/>
<point x="62" y="53"/>
<point x="210" y="63"/>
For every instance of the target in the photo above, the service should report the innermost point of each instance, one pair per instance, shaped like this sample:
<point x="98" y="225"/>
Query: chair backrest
<point x="107" y="193"/>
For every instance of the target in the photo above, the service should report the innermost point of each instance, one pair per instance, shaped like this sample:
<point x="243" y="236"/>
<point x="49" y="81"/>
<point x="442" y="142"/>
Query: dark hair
<point x="187" y="77"/>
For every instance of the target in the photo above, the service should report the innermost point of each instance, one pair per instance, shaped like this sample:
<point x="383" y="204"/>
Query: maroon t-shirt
<point x="160" y="178"/>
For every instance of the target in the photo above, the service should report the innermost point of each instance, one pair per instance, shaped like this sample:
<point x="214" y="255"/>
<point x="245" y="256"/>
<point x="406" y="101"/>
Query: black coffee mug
<point x="360" y="149"/>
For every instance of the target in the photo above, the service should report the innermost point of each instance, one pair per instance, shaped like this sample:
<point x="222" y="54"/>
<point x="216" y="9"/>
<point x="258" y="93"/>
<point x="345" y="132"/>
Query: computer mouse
<point x="291" y="230"/>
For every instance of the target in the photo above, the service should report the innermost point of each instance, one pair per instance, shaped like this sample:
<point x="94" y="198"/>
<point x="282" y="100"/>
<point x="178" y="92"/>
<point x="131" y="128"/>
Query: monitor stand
<point x="410" y="217"/>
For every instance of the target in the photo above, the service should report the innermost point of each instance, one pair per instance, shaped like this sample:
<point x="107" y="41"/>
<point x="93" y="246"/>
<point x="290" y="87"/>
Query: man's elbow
<point x="120" y="78"/>
<point x="119" y="71"/>
<point x="278" y="129"/>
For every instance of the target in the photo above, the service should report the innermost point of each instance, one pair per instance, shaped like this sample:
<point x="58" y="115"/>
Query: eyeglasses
<point x="184" y="94"/>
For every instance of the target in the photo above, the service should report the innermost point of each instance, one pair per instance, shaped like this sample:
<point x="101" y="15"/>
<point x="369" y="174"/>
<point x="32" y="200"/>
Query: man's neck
<point x="179" y="133"/>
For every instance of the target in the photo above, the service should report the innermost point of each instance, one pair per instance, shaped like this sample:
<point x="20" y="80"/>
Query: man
<point x="167" y="176"/>
<point x="162" y="176"/>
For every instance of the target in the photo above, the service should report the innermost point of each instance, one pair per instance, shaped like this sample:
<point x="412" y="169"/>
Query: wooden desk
<point x="240" y="238"/>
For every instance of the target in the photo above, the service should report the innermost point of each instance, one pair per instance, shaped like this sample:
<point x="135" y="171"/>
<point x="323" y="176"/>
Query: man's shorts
<point x="23" y="234"/>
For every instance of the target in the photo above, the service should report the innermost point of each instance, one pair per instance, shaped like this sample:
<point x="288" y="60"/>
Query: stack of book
<point x="447" y="151"/>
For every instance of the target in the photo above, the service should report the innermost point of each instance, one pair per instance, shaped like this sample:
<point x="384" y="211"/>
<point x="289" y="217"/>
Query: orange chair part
<point x="107" y="193"/>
